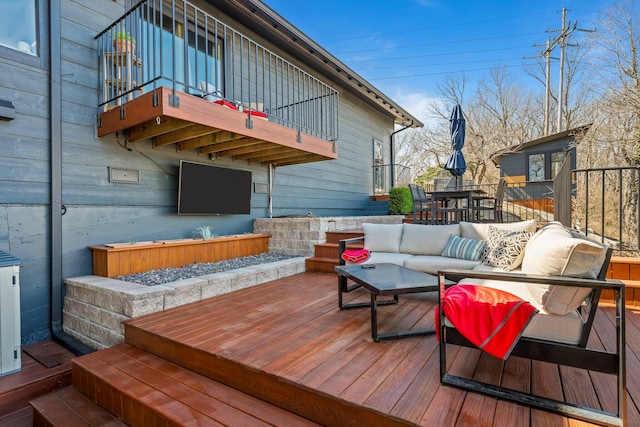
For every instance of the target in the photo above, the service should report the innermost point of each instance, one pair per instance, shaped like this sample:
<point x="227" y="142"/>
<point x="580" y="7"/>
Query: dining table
<point x="454" y="205"/>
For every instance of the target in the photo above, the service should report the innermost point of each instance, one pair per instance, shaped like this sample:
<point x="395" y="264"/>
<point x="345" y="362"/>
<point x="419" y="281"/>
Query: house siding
<point x="97" y="211"/>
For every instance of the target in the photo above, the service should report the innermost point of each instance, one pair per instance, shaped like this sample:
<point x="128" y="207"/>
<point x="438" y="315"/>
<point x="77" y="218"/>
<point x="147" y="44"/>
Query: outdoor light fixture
<point x="7" y="110"/>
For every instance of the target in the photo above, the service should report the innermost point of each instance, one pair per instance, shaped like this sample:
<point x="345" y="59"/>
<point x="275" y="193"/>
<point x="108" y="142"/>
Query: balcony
<point x="173" y="73"/>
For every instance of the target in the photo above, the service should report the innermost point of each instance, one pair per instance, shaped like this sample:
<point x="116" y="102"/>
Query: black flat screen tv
<point x="211" y="190"/>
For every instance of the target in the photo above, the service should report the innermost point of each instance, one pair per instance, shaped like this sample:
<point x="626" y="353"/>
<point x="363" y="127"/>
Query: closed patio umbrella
<point x="456" y="164"/>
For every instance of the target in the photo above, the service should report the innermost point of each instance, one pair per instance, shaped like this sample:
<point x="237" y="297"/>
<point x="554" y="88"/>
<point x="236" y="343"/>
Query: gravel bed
<point x="166" y="275"/>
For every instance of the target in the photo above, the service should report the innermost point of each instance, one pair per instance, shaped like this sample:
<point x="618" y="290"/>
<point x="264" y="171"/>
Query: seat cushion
<point x="426" y="239"/>
<point x="388" y="257"/>
<point x="545" y="325"/>
<point x="382" y="237"/>
<point x="433" y="263"/>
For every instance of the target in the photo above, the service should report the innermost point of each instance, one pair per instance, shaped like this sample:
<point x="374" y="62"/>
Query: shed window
<point x="536" y="167"/>
<point x="18" y="28"/>
<point x="556" y="162"/>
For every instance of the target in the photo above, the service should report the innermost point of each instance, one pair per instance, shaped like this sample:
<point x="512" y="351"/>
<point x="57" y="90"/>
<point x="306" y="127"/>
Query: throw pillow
<point x="505" y="248"/>
<point x="461" y="248"/>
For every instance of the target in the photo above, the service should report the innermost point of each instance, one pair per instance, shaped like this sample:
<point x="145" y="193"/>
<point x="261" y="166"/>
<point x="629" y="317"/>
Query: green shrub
<point x="400" y="202"/>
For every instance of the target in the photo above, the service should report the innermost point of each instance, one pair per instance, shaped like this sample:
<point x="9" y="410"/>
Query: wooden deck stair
<point x="326" y="254"/>
<point x="124" y="385"/>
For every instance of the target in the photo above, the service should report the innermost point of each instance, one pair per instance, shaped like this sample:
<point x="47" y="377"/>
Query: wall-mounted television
<point x="211" y="190"/>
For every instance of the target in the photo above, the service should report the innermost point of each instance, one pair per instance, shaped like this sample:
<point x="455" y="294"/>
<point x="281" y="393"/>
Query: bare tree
<point x="618" y="42"/>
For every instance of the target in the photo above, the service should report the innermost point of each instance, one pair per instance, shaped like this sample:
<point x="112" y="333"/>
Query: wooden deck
<point x="287" y="343"/>
<point x="46" y="366"/>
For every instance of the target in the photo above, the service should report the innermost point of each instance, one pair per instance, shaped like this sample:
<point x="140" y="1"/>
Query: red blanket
<point x="356" y="255"/>
<point x="491" y="319"/>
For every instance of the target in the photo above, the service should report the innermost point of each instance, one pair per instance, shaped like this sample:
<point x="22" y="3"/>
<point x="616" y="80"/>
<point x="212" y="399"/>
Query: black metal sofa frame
<point x="578" y="356"/>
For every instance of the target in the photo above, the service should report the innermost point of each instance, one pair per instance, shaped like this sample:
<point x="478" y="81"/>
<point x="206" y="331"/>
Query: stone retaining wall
<point x="95" y="306"/>
<point x="298" y="236"/>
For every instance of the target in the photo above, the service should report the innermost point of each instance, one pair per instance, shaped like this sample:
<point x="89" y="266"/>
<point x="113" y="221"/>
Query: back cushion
<point x="554" y="251"/>
<point x="382" y="237"/>
<point x="426" y="239"/>
<point x="473" y="230"/>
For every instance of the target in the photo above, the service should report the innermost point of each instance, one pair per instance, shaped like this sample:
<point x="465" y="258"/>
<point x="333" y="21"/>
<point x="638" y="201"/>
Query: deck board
<point x="290" y="335"/>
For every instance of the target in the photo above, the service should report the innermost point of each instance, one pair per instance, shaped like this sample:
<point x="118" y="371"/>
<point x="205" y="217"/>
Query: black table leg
<point x="344" y="288"/>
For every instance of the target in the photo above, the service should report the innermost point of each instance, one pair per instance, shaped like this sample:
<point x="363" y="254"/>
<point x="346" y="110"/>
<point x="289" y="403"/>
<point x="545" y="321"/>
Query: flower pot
<point x="124" y="46"/>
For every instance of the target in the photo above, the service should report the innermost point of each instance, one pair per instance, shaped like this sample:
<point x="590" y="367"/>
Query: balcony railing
<point x="175" y="44"/>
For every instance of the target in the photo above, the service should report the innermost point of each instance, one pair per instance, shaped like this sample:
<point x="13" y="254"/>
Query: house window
<point x="536" y="167"/>
<point x="557" y="158"/>
<point x="18" y="29"/>
<point x="379" y="186"/>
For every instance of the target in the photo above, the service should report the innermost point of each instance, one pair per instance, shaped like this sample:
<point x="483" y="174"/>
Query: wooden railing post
<point x="562" y="193"/>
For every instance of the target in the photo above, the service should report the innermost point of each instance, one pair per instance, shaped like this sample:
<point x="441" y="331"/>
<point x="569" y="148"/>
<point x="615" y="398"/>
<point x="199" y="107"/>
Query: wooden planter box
<point x="127" y="258"/>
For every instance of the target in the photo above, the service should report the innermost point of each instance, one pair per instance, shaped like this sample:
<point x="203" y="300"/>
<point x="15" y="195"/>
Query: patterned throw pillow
<point x="505" y="248"/>
<point x="462" y="248"/>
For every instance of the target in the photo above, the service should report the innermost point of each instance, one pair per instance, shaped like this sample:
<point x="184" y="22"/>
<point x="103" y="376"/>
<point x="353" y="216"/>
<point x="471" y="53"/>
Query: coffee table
<point x="384" y="280"/>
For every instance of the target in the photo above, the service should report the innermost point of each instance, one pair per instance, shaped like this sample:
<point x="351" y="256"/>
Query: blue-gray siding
<point x="98" y="211"/>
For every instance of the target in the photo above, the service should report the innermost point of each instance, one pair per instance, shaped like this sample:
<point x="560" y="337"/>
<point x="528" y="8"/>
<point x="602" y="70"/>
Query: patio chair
<point x="491" y="204"/>
<point x="421" y="204"/>
<point x="548" y="350"/>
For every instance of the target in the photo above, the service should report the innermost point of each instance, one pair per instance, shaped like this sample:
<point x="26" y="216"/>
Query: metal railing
<point x="390" y="175"/>
<point x="606" y="206"/>
<point x="175" y="44"/>
<point x="528" y="200"/>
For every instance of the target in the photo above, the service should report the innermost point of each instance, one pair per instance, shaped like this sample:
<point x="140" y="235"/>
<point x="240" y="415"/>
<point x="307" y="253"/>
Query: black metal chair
<point x="491" y="204"/>
<point x="422" y="204"/>
<point x="578" y="356"/>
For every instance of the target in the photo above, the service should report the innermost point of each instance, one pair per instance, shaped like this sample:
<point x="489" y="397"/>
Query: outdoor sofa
<point x="559" y="272"/>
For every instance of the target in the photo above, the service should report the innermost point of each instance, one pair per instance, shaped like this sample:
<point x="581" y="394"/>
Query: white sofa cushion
<point x="544" y="325"/>
<point x="420" y="239"/>
<point x="475" y="230"/>
<point x="433" y="263"/>
<point x="505" y="248"/>
<point x="382" y="237"/>
<point x="388" y="257"/>
<point x="459" y="247"/>
<point x="554" y="251"/>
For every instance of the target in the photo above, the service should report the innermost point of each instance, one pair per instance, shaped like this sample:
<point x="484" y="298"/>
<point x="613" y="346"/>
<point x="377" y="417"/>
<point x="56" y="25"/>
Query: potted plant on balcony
<point x="123" y="42"/>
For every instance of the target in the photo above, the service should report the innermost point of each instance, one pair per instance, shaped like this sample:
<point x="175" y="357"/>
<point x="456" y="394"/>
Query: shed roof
<point x="576" y="133"/>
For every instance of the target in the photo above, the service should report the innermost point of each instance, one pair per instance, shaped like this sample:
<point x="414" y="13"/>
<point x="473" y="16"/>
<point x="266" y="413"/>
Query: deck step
<point x="321" y="265"/>
<point x="336" y="235"/>
<point x="69" y="407"/>
<point x="35" y="378"/>
<point x="146" y="390"/>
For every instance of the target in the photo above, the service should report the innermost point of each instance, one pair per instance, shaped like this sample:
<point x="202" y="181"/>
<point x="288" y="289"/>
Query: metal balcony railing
<point x="175" y="44"/>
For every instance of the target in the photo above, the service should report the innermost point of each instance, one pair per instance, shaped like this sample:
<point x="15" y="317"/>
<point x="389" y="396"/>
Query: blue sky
<point x="406" y="47"/>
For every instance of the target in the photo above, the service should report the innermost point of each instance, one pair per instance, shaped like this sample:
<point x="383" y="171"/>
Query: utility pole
<point x="560" y="40"/>
<point x="547" y="80"/>
<point x="563" y="38"/>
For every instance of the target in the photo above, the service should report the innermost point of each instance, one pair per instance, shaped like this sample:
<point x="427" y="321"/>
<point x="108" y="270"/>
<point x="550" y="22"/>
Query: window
<point x="18" y="28"/>
<point x="536" y="167"/>
<point x="200" y="71"/>
<point x="379" y="186"/>
<point x="557" y="159"/>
